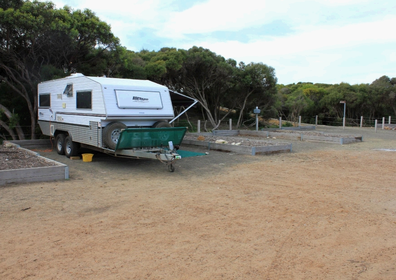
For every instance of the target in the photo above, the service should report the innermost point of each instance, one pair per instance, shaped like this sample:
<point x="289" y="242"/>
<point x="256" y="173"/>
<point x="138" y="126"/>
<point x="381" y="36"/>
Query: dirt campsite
<point x="322" y="211"/>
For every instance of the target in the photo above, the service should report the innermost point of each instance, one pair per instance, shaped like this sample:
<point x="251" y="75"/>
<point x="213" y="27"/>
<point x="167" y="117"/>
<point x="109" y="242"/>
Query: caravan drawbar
<point x="121" y="117"/>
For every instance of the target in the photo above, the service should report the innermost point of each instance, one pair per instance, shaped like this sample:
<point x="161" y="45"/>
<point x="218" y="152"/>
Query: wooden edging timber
<point x="284" y="147"/>
<point x="304" y="136"/>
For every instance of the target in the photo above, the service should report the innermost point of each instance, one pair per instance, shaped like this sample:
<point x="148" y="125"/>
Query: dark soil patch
<point x="13" y="157"/>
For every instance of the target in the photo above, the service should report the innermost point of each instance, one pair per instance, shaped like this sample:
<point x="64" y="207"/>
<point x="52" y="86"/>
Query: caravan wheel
<point x="161" y="124"/>
<point x="60" y="143"/>
<point x="71" y="148"/>
<point x="111" y="133"/>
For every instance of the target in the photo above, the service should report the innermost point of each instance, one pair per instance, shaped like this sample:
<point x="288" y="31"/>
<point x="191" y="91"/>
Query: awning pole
<point x="196" y="101"/>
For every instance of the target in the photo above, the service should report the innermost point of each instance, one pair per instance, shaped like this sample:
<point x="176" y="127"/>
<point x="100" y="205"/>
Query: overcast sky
<point x="319" y="41"/>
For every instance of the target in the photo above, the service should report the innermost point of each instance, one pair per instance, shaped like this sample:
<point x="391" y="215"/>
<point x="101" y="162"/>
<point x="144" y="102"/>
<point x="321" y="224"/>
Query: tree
<point x="382" y="95"/>
<point x="13" y="123"/>
<point x="127" y="64"/>
<point x="296" y="103"/>
<point x="165" y="66"/>
<point x="360" y="105"/>
<point x="255" y="86"/>
<point x="35" y="34"/>
<point x="207" y="78"/>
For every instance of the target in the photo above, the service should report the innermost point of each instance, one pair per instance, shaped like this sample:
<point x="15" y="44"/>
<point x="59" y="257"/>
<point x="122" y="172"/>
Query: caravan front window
<point x="84" y="100"/>
<point x="44" y="100"/>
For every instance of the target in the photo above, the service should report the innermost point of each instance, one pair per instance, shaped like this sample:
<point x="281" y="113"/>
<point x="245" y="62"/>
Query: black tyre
<point x="60" y="143"/>
<point x="161" y="124"/>
<point x="171" y="168"/>
<point x="71" y="148"/>
<point x="111" y="133"/>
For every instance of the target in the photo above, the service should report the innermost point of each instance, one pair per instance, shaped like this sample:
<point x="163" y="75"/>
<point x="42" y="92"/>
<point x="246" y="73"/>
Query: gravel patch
<point x="250" y="141"/>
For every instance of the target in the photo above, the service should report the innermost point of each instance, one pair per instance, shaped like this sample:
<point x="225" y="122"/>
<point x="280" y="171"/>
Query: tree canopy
<point x="373" y="101"/>
<point x="35" y="38"/>
<point x="39" y="42"/>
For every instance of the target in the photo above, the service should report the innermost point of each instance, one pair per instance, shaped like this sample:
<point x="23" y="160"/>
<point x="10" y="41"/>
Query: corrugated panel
<point x="81" y="134"/>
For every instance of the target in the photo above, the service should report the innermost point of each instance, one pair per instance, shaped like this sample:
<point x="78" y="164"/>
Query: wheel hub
<point x="115" y="134"/>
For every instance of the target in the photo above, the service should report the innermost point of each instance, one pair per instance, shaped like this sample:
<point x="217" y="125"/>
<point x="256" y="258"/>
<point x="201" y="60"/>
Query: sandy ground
<point x="324" y="211"/>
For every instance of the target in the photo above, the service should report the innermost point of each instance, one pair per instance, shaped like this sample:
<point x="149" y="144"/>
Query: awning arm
<point x="195" y="102"/>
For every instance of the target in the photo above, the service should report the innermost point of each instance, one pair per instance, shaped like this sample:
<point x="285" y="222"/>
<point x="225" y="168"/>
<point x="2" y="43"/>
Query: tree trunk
<point x="25" y="95"/>
<point x="243" y="109"/>
<point x="9" y="130"/>
<point x="17" y="126"/>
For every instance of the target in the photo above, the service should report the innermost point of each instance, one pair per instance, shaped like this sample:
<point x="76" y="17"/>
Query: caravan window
<point x="84" y="100"/>
<point x="45" y="100"/>
<point x="68" y="90"/>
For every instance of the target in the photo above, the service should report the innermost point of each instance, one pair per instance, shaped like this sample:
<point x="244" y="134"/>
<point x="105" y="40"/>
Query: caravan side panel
<point x="64" y="103"/>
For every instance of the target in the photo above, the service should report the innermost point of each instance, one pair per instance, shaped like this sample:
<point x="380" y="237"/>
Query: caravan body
<point x="79" y="99"/>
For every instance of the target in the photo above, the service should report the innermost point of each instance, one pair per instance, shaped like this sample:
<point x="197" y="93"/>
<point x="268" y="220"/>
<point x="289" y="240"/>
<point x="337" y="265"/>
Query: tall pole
<point x="257" y="112"/>
<point x="343" y="119"/>
<point x="256" y="122"/>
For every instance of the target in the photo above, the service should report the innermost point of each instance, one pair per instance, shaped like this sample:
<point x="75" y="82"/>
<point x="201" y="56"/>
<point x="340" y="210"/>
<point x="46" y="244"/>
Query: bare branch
<point x="8" y="129"/>
<point x="17" y="126"/>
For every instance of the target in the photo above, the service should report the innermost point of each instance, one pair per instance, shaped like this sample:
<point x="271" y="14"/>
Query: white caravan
<point x="94" y="111"/>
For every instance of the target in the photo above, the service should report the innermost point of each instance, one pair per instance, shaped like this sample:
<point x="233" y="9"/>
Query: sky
<point x="318" y="41"/>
